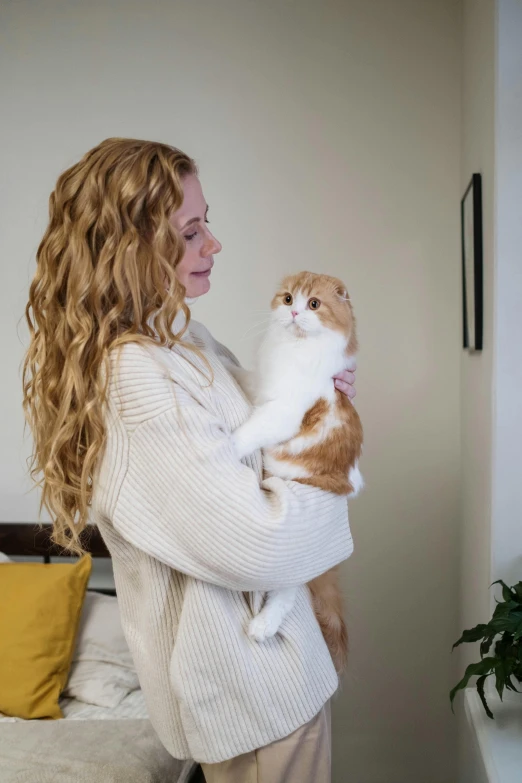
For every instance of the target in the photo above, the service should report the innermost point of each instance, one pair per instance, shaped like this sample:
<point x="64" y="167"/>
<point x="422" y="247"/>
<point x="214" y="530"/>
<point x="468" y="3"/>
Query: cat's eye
<point x="288" y="299"/>
<point x="314" y="304"/>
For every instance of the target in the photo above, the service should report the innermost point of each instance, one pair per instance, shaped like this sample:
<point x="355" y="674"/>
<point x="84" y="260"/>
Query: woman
<point x="131" y="409"/>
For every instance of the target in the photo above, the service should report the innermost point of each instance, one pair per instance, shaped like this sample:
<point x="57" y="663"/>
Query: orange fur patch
<point x="327" y="464"/>
<point x="314" y="416"/>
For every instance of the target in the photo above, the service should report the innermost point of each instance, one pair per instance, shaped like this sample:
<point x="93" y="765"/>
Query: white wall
<point x="478" y="156"/>
<point x="507" y="475"/>
<point x="491" y="381"/>
<point x="328" y="138"/>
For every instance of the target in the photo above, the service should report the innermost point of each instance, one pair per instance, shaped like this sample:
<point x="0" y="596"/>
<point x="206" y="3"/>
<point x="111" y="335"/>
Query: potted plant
<point x="504" y="630"/>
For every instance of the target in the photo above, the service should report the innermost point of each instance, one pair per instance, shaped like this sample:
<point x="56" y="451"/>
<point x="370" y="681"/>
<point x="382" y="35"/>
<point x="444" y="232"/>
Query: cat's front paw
<point x="241" y="447"/>
<point x="263" y="627"/>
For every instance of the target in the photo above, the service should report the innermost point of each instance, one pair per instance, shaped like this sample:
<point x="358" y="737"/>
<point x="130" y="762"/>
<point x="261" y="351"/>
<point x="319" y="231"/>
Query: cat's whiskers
<point x="253" y="335"/>
<point x="258" y="324"/>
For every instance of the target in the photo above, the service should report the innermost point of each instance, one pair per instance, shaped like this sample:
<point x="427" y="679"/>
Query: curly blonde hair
<point x="105" y="272"/>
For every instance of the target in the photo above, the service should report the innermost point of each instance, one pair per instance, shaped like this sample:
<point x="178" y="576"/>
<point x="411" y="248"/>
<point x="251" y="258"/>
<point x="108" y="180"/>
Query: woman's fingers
<point x="345" y="388"/>
<point x="347" y="376"/>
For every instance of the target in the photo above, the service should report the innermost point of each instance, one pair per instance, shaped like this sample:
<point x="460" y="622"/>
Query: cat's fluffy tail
<point x="328" y="606"/>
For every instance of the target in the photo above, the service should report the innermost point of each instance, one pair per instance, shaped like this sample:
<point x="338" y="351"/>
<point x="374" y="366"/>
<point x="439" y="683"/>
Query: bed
<point x="91" y="744"/>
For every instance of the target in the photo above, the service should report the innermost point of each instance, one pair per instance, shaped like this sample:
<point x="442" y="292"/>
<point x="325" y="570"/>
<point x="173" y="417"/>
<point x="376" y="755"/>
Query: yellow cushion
<point x="40" y="606"/>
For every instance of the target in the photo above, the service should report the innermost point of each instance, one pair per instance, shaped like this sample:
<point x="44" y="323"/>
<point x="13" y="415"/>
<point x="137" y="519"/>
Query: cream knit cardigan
<point x="196" y="537"/>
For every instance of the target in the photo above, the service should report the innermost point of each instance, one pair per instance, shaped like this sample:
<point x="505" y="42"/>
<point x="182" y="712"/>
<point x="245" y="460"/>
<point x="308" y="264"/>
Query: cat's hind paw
<point x="356" y="480"/>
<point x="262" y="627"/>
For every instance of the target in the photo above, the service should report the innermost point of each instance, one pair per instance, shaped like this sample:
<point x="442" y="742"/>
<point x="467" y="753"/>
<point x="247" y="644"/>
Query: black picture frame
<point x="472" y="265"/>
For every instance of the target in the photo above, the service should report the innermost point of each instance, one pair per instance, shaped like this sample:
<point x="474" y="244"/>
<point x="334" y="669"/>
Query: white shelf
<point x="499" y="741"/>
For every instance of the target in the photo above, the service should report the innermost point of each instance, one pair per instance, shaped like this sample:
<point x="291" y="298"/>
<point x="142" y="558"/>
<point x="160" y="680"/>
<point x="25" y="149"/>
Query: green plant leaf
<point x="505" y="608"/>
<point x="480" y="690"/>
<point x="509" y="623"/>
<point x="507" y="593"/>
<point x="504" y="646"/>
<point x="472" y="635"/>
<point x="510" y="685"/>
<point x="500" y="677"/>
<point x="486" y="646"/>
<point x="484" y="667"/>
<point x="518" y="632"/>
<point x="518" y="590"/>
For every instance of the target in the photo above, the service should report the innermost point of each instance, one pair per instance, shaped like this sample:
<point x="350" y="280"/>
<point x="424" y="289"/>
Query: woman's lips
<point x="204" y="272"/>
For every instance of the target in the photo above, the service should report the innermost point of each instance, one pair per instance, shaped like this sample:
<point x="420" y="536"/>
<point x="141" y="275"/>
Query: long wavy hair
<point x="105" y="276"/>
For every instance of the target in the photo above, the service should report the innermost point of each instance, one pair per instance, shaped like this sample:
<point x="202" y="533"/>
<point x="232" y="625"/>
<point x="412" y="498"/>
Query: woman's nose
<point x="211" y="246"/>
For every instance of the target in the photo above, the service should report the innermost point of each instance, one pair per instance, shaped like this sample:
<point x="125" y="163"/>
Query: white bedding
<point x="132" y="707"/>
<point x="125" y="750"/>
<point x="102" y="670"/>
<point x="86" y="751"/>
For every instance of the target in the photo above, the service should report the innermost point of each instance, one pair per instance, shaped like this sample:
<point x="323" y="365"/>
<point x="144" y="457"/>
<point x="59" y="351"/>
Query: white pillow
<point x="102" y="672"/>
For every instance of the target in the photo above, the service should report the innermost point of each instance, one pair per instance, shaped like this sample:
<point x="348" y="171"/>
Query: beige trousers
<point x="303" y="757"/>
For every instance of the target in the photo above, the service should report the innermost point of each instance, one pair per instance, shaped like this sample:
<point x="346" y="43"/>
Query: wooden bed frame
<point x="32" y="540"/>
<point x="21" y="539"/>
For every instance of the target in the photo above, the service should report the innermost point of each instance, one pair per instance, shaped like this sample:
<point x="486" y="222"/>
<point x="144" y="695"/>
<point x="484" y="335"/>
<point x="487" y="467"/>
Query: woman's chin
<point x="198" y="287"/>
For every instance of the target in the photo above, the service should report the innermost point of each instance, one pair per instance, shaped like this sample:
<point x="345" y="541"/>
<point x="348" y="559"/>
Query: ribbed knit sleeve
<point x="188" y="502"/>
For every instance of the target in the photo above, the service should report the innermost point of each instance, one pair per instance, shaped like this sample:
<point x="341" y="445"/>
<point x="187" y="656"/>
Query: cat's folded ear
<point x="342" y="292"/>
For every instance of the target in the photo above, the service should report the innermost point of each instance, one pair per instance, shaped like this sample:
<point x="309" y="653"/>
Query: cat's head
<point x="308" y="304"/>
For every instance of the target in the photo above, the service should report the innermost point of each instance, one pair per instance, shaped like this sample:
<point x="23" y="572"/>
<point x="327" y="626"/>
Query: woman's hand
<point x="345" y="381"/>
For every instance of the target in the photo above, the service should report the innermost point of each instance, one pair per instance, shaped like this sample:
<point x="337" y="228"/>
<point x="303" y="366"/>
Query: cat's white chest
<point x="298" y="369"/>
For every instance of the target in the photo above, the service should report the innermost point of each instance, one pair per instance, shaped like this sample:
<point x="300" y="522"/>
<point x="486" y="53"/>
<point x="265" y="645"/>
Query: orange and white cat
<point x="310" y="433"/>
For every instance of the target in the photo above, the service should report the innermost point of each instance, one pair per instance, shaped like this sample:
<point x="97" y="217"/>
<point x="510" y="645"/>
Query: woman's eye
<point x="288" y="299"/>
<point x="314" y="304"/>
<point x="188" y="237"/>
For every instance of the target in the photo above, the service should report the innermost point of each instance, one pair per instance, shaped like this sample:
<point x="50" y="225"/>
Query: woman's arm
<point x="187" y="501"/>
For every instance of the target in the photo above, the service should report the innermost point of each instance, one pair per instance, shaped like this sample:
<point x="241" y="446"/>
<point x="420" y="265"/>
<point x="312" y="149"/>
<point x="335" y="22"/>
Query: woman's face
<point x="191" y="221"/>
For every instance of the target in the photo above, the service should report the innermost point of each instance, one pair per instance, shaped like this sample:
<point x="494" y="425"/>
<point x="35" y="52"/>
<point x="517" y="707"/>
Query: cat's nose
<point x="294" y="313"/>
